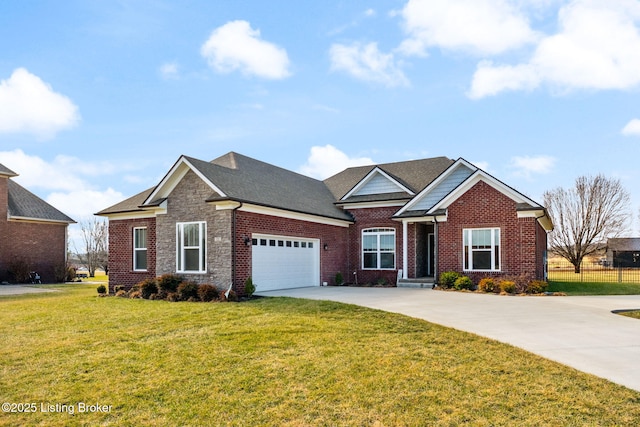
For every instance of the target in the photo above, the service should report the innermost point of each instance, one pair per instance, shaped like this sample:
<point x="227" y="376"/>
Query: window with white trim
<point x="379" y="249"/>
<point x="140" y="249"/>
<point x="191" y="247"/>
<point x="481" y="249"/>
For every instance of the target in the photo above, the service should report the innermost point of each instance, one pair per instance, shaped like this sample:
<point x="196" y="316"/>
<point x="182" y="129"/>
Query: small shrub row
<point x="171" y="287"/>
<point x="509" y="284"/>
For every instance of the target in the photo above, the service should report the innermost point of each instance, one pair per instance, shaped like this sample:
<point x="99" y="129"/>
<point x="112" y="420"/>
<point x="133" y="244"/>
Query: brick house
<point x="222" y="221"/>
<point x="33" y="233"/>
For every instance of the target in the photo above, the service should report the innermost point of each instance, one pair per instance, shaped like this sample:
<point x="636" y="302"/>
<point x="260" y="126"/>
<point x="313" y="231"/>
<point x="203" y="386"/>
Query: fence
<point x="564" y="271"/>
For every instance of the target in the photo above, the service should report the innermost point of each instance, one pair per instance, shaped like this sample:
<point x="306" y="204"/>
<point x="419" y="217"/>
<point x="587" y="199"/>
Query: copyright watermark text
<point x="66" y="408"/>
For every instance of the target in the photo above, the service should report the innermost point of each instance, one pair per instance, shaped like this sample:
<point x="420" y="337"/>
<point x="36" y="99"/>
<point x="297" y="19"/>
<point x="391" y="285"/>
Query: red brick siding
<point x="376" y="218"/>
<point x="41" y="245"/>
<point x="483" y="206"/>
<point x="332" y="261"/>
<point x="121" y="252"/>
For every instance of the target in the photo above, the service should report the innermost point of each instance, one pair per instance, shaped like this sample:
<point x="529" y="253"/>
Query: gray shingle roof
<point x="132" y="204"/>
<point x="6" y="171"/>
<point x="413" y="174"/>
<point x="24" y="204"/>
<point x="624" y="244"/>
<point x="248" y="180"/>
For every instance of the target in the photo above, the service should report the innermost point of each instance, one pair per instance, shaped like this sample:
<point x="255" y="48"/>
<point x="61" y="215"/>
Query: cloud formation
<point x="326" y="161"/>
<point x="236" y="46"/>
<point x="525" y="166"/>
<point x="596" y="47"/>
<point x="480" y="27"/>
<point x="29" y="105"/>
<point x="632" y="128"/>
<point x="367" y="63"/>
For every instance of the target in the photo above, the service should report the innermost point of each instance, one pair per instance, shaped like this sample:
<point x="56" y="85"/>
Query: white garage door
<point x="280" y="262"/>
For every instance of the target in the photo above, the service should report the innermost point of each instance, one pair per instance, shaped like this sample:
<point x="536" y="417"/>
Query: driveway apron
<point x="580" y="332"/>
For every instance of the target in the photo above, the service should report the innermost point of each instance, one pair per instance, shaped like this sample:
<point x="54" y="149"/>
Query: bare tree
<point x="94" y="254"/>
<point x="597" y="208"/>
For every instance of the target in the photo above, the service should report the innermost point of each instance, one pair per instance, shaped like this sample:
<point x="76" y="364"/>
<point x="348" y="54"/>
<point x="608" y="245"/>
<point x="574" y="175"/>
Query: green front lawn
<point x="594" y="288"/>
<point x="277" y="362"/>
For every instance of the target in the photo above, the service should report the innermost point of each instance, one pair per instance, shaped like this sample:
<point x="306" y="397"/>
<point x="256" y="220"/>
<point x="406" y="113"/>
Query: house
<point x="34" y="233"/>
<point x="623" y="252"/>
<point x="223" y="221"/>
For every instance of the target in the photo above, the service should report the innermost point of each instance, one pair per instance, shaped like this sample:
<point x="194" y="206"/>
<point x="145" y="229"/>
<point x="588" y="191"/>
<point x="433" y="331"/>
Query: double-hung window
<point x="191" y="239"/>
<point x="140" y="249"/>
<point x="379" y="249"/>
<point x="481" y="249"/>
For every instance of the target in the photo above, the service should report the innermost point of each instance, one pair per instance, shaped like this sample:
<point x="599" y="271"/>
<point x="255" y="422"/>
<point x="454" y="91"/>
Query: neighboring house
<point x="34" y="233"/>
<point x="623" y="252"/>
<point x="222" y="221"/>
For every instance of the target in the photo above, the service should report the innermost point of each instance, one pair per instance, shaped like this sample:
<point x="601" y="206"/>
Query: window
<point x="140" y="248"/>
<point x="481" y="249"/>
<point x="379" y="249"/>
<point x="191" y="247"/>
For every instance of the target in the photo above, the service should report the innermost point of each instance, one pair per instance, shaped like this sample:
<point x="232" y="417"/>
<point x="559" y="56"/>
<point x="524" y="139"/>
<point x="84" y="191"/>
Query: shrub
<point x="186" y="290"/>
<point x="249" y="287"/>
<point x="169" y="282"/>
<point x="135" y="294"/>
<point x="121" y="293"/>
<point x="20" y="269"/>
<point x="487" y="284"/>
<point x="448" y="279"/>
<point x="537" y="287"/>
<point x="102" y="289"/>
<point x="207" y="293"/>
<point x="232" y="296"/>
<point x="339" y="279"/>
<point x="146" y="288"/>
<point x="118" y="288"/>
<point x="463" y="282"/>
<point x="381" y="282"/>
<point x="508" y="286"/>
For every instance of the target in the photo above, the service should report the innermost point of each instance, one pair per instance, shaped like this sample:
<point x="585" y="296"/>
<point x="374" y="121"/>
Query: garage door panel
<point x="280" y="262"/>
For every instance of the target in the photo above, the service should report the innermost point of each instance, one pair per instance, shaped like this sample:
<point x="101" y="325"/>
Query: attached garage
<point x="281" y="262"/>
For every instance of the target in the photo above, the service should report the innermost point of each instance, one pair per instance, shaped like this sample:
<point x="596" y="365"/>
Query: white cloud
<point x="367" y="63"/>
<point x="525" y="166"/>
<point x="170" y="70"/>
<point x="483" y="27"/>
<point x="326" y="161"/>
<point x="29" y="105"/>
<point x="63" y="176"/>
<point x="489" y="80"/>
<point x="596" y="48"/>
<point x="82" y="204"/>
<point x="632" y="128"/>
<point x="236" y="46"/>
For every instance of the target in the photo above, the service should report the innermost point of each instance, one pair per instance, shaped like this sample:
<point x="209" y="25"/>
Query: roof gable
<point x="378" y="182"/>
<point x="5" y="171"/>
<point x="439" y="188"/>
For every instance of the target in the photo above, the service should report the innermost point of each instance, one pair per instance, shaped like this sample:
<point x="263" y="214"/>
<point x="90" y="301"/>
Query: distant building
<point x="624" y="252"/>
<point x="33" y="234"/>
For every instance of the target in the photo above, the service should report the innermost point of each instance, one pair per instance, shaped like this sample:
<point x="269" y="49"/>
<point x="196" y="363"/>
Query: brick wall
<point x="376" y="218"/>
<point x="483" y="206"/>
<point x="121" y="252"/>
<point x="41" y="245"/>
<point x="332" y="261"/>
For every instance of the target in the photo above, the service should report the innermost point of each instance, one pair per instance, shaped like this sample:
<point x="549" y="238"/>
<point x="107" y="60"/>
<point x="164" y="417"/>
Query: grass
<point x="635" y="314"/>
<point x="279" y="362"/>
<point x="594" y="288"/>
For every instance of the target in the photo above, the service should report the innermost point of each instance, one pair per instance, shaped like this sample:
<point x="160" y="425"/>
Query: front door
<point x="431" y="254"/>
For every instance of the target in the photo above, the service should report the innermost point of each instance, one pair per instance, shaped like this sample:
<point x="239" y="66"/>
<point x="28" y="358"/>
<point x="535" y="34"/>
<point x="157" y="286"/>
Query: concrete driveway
<point x="580" y="332"/>
<point x="21" y="289"/>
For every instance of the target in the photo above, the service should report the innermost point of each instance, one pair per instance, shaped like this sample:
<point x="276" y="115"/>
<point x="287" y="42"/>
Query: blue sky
<point x="99" y="98"/>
